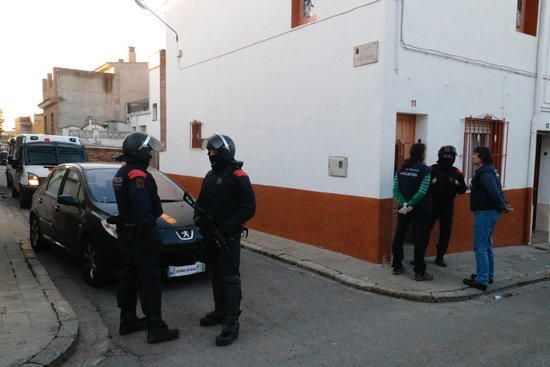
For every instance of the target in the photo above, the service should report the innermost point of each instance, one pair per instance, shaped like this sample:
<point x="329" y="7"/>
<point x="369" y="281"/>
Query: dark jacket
<point x="486" y="191"/>
<point x="227" y="195"/>
<point x="136" y="195"/>
<point x="411" y="186"/>
<point x="447" y="182"/>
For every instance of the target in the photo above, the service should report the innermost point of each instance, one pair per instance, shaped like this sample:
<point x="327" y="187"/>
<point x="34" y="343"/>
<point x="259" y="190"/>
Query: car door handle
<point x="56" y="208"/>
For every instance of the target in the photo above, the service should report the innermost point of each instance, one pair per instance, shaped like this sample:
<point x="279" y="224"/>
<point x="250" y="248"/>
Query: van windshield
<point x="52" y="155"/>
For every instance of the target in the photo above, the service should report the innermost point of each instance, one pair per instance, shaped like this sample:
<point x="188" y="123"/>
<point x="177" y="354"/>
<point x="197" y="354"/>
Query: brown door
<point x="404" y="137"/>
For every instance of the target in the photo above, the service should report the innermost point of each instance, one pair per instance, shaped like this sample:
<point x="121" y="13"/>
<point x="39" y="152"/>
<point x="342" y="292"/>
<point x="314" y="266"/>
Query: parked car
<point x="32" y="156"/>
<point x="70" y="210"/>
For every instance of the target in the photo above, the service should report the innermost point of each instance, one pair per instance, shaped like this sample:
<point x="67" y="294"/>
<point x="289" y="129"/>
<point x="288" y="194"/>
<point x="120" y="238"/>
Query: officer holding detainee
<point x="446" y="182"/>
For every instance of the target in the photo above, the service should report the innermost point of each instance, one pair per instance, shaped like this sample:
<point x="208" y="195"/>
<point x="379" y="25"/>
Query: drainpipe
<point x="542" y="47"/>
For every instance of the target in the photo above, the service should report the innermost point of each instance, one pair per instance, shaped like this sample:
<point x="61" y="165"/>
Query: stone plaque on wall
<point x="365" y="54"/>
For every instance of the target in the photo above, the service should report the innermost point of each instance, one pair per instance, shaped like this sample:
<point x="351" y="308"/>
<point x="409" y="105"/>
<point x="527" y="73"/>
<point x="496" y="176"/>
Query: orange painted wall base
<point x="358" y="226"/>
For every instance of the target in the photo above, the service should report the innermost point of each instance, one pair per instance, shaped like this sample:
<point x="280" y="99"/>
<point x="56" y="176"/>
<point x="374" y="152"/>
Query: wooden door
<point x="404" y="137"/>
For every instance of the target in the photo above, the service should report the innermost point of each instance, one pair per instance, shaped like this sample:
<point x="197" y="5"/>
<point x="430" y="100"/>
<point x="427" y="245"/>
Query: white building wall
<point x="447" y="90"/>
<point x="289" y="102"/>
<point x="153" y="127"/>
<point x="290" y="98"/>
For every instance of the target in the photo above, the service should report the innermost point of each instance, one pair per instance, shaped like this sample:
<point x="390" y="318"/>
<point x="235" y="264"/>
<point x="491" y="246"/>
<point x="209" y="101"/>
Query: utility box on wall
<point x="338" y="166"/>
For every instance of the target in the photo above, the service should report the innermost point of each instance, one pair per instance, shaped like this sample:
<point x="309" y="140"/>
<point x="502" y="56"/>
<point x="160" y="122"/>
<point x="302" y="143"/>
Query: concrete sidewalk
<point x="515" y="266"/>
<point x="37" y="326"/>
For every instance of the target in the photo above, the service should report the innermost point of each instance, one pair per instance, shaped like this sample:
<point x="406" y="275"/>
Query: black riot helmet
<point x="137" y="148"/>
<point x="447" y="154"/>
<point x="221" y="149"/>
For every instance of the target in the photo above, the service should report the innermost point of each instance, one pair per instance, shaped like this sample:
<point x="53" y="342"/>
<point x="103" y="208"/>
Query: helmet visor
<point x="217" y="142"/>
<point x="152" y="143"/>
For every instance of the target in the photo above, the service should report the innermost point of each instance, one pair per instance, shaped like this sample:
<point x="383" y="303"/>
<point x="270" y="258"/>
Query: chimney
<point x="50" y="80"/>
<point x="131" y="54"/>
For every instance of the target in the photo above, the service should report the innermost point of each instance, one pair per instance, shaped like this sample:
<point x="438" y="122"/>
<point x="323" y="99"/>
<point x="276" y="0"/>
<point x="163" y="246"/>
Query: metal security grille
<point x="486" y="132"/>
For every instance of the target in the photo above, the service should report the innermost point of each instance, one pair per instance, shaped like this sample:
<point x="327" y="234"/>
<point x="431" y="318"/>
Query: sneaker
<point x="474" y="276"/>
<point x="439" y="261"/>
<point x="472" y="283"/>
<point x="423" y="277"/>
<point x="397" y="271"/>
<point x="211" y="319"/>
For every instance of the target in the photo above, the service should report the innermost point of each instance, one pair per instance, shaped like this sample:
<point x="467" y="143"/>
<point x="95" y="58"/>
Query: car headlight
<point x="33" y="180"/>
<point x="109" y="228"/>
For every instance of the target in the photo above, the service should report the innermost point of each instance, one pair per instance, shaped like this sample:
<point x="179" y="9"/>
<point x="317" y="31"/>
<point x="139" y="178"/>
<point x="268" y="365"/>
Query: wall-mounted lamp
<point x="142" y="5"/>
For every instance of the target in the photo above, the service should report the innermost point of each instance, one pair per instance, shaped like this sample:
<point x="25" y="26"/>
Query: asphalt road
<point x="295" y="318"/>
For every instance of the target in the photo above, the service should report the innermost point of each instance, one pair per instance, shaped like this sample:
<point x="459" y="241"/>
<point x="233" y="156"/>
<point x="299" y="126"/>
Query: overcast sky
<point x="36" y="35"/>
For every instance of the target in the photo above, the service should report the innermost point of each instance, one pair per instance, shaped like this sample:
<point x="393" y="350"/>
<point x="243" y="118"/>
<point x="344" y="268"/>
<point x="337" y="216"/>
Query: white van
<point x="31" y="157"/>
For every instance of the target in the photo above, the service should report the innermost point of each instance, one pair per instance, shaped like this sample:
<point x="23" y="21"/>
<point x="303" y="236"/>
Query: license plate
<point x="181" y="271"/>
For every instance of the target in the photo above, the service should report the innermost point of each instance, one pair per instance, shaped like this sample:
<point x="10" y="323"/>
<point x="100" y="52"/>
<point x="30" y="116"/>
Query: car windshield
<point x="52" y="155"/>
<point x="100" y="183"/>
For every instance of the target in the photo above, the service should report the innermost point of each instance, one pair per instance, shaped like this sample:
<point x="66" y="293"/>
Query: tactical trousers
<point x="224" y="266"/>
<point x="443" y="210"/>
<point x="421" y="220"/>
<point x="140" y="273"/>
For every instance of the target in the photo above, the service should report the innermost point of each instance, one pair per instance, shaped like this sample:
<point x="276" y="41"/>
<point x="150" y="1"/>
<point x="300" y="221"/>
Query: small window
<point x="196" y="134"/>
<point x="303" y="12"/>
<point x="55" y="182"/>
<point x="142" y="128"/>
<point x="487" y="132"/>
<point x="527" y="16"/>
<point x="154" y="112"/>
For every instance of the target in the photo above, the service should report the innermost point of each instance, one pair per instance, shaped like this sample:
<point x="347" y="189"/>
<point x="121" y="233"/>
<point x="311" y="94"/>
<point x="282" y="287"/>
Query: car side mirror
<point x="68" y="200"/>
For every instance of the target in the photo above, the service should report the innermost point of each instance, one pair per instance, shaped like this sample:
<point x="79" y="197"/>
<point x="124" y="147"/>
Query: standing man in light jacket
<point x="487" y="202"/>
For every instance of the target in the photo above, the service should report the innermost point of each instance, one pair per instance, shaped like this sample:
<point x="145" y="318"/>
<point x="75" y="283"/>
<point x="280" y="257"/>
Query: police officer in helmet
<point x="139" y="206"/>
<point x="227" y="196"/>
<point x="446" y="182"/>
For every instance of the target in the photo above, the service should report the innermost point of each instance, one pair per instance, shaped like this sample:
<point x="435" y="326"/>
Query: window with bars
<point x="196" y="134"/>
<point x="487" y="132"/>
<point x="303" y="12"/>
<point x="527" y="16"/>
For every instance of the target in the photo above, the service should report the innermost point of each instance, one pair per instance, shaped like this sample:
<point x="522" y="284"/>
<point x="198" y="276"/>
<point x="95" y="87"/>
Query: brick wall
<point x="102" y="154"/>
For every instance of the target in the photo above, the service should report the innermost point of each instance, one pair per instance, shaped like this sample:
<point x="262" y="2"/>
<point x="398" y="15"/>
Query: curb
<point x="416" y="296"/>
<point x="64" y="342"/>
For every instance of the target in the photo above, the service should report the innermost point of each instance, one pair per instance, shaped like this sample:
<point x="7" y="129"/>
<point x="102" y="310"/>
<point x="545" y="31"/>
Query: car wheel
<point x="38" y="242"/>
<point x="25" y="200"/>
<point x="14" y="193"/>
<point x="91" y="265"/>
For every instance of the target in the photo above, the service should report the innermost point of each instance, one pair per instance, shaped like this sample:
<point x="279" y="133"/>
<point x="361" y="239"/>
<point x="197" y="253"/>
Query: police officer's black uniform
<point x="446" y="182"/>
<point x="227" y="196"/>
<point x="139" y="206"/>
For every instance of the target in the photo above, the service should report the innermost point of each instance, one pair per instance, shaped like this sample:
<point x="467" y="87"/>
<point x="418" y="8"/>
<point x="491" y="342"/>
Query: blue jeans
<point x="484" y="225"/>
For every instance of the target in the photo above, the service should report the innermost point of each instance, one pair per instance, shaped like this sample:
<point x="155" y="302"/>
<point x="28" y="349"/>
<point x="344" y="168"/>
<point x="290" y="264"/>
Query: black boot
<point x="129" y="326"/>
<point x="439" y="261"/>
<point x="212" y="318"/>
<point x="158" y="331"/>
<point x="230" y="331"/>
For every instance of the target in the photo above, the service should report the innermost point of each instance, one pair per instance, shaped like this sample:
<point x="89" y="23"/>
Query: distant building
<point x="74" y="99"/>
<point x="23" y="125"/>
<point x="38" y="124"/>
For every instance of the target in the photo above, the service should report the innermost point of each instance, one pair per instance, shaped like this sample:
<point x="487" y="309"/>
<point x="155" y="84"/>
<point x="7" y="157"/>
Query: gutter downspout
<point x="542" y="48"/>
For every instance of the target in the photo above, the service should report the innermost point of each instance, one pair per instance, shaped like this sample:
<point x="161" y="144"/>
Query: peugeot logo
<point x="185" y="234"/>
